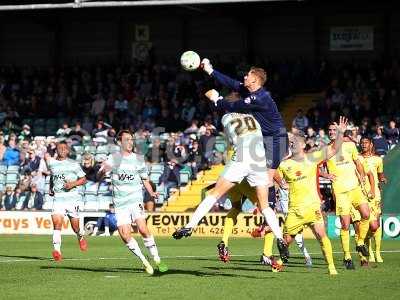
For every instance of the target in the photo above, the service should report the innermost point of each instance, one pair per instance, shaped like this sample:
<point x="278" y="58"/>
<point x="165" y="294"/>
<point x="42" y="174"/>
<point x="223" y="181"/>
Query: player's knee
<point x="345" y="223"/>
<point x="373" y="226"/>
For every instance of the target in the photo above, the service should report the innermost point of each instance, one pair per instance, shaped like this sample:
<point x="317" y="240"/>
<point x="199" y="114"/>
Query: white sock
<point x="94" y="231"/>
<point x="300" y="243"/>
<point x="135" y="249"/>
<point x="272" y="220"/>
<point x="106" y="230"/>
<point x="57" y="240"/>
<point x="152" y="247"/>
<point x="201" y="210"/>
<point x="80" y="234"/>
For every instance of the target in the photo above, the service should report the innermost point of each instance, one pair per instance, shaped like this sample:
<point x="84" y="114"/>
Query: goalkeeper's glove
<point x="207" y="66"/>
<point x="214" y="96"/>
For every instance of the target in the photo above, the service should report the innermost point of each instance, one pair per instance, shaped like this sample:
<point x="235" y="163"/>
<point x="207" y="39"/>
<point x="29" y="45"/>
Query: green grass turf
<point x="108" y="270"/>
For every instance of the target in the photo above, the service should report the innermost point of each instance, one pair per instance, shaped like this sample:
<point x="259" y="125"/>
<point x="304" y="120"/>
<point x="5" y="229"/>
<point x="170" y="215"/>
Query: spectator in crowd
<point x="207" y="144"/>
<point x="9" y="199"/>
<point x="26" y="133"/>
<point x="380" y="143"/>
<point x="24" y="182"/>
<point x="33" y="199"/>
<point x="90" y="167"/>
<point x="193" y="128"/>
<point x="11" y="156"/>
<point x="98" y="106"/>
<point x="170" y="178"/>
<point x="31" y="163"/>
<point x="107" y="224"/>
<point x="300" y="121"/>
<point x="2" y="149"/>
<point x="64" y="130"/>
<point x="392" y="133"/>
<point x="149" y="202"/>
<point x="194" y="158"/>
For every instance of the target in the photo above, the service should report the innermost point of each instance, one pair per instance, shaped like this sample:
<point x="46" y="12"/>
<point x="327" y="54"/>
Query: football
<point x="190" y="60"/>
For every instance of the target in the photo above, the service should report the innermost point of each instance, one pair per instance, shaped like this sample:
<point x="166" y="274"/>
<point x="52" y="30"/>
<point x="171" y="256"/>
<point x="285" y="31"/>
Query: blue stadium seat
<point x="113" y="148"/>
<point x="78" y="149"/>
<point x="104" y="202"/>
<point x="185" y="177"/>
<point x="91" y="203"/>
<point x="12" y="178"/>
<point x="12" y="169"/>
<point x="103" y="149"/>
<point x="3" y="169"/>
<point x="104" y="189"/>
<point x="90" y="149"/>
<point x="47" y="202"/>
<point x="157" y="168"/>
<point x="155" y="177"/>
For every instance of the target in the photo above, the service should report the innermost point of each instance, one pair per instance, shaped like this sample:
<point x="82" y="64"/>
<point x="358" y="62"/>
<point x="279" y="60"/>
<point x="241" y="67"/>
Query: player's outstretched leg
<point x="230" y="221"/>
<point x="79" y="233"/>
<point x="378" y="241"/>
<point x="326" y="246"/>
<point x="150" y="244"/>
<point x="125" y="234"/>
<point x="272" y="221"/>
<point x="345" y="239"/>
<point x="223" y="252"/>
<point x="221" y="188"/>
<point x="300" y="243"/>
<point x="57" y="223"/>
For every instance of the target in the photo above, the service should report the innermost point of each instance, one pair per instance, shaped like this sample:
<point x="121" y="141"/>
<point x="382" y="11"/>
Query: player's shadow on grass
<point x="24" y="257"/>
<point x="204" y="274"/>
<point x="96" y="270"/>
<point x="156" y="274"/>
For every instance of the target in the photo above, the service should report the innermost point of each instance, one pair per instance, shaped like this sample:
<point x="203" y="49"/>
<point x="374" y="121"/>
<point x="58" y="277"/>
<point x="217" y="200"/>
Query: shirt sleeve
<point x="251" y="103"/>
<point x="79" y="172"/>
<point x="354" y="152"/>
<point x="380" y="165"/>
<point x="142" y="170"/>
<point x="316" y="156"/>
<point x="227" y="81"/>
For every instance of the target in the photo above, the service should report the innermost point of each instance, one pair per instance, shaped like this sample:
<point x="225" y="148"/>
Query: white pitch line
<point x="178" y="256"/>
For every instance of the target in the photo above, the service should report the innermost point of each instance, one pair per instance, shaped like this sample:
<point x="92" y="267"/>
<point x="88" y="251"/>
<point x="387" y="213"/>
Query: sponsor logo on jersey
<point x="126" y="177"/>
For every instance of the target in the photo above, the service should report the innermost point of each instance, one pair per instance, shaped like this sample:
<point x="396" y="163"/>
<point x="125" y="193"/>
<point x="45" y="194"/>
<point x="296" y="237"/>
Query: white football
<point x="190" y="60"/>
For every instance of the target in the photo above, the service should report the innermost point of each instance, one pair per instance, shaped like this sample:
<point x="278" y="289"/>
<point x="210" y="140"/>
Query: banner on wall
<point x="160" y="224"/>
<point x="352" y="38"/>
<point x="390" y="227"/>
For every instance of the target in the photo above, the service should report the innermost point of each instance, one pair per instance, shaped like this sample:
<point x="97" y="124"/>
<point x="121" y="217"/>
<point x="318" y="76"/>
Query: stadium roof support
<point x="91" y="4"/>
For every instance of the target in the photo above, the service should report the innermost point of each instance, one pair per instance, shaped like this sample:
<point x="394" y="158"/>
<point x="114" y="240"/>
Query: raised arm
<point x="221" y="78"/>
<point x="331" y="150"/>
<point x="227" y="81"/>
<point x="241" y="105"/>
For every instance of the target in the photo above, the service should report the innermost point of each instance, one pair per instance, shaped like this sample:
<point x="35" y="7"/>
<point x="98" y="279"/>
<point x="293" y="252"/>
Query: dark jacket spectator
<point x="32" y="163"/>
<point x="9" y="199"/>
<point x="90" y="168"/>
<point x="392" y="133"/>
<point x="170" y="177"/>
<point x="33" y="199"/>
<point x="380" y="143"/>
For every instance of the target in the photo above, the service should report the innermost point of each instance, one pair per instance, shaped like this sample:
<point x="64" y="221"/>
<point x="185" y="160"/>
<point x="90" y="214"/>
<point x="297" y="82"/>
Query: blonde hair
<point x="260" y="73"/>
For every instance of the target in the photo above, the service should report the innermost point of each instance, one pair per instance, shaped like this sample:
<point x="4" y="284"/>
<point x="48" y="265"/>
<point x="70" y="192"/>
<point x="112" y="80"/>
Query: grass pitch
<point x="109" y="271"/>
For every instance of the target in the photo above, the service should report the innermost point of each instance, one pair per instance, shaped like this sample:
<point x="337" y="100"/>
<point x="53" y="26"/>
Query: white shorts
<point x="129" y="214"/>
<point x="255" y="174"/>
<point x="70" y="209"/>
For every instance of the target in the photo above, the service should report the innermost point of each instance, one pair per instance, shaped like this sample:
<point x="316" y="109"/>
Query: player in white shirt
<point x="66" y="176"/>
<point x="247" y="162"/>
<point x="128" y="177"/>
